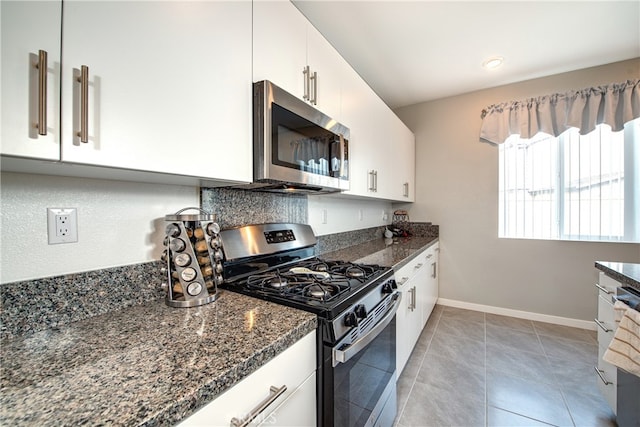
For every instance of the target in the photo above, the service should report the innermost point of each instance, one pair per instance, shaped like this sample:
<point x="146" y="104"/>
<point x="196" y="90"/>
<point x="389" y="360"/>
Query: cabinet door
<point x="28" y="27"/>
<point x="403" y="146"/>
<point x="431" y="288"/>
<point x="326" y="67"/>
<point x="169" y="86"/>
<point x="363" y="112"/>
<point x="279" y="45"/>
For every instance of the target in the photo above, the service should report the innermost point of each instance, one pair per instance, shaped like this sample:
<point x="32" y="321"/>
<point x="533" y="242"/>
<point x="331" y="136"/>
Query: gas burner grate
<point x="305" y="287"/>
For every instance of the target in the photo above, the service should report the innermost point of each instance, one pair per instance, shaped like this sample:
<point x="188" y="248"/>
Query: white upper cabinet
<point x="280" y="45"/>
<point x="403" y="147"/>
<point x="168" y="87"/>
<point x="292" y="54"/>
<point x="30" y="98"/>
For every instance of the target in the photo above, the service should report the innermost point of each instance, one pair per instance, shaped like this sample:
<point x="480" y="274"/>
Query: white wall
<point x="456" y="187"/>
<point x="119" y="223"/>
<point x="344" y="214"/>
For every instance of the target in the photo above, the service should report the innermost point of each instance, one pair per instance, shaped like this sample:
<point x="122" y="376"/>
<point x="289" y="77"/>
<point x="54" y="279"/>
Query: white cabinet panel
<point x="169" y="86"/>
<point x="279" y="45"/>
<point x="28" y="27"/>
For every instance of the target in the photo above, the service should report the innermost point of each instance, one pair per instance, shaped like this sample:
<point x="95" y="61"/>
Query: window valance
<point x="614" y="104"/>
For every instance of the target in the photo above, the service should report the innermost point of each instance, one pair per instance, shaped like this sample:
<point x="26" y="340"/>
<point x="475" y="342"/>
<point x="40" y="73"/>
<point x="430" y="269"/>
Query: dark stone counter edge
<point x="207" y="393"/>
<point x="618" y="276"/>
<point x="417" y="252"/>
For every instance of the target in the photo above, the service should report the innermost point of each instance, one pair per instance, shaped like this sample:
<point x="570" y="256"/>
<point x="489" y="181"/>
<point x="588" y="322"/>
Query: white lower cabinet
<point x="606" y="372"/>
<point x="262" y="393"/>
<point x="418" y="283"/>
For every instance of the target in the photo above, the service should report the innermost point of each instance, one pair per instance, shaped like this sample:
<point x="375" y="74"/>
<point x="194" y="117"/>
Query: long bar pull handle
<point x="406" y="189"/>
<point x="84" y="104"/>
<point x="371" y="184"/>
<point x="305" y="73"/>
<point x="274" y="393"/>
<point x="42" y="92"/>
<point x="602" y="325"/>
<point x="603" y="289"/>
<point x="375" y="181"/>
<point x="434" y="271"/>
<point x="314" y="79"/>
<point x="601" y="375"/>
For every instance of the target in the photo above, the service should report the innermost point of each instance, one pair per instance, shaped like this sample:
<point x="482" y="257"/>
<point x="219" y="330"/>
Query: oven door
<point x="363" y="371"/>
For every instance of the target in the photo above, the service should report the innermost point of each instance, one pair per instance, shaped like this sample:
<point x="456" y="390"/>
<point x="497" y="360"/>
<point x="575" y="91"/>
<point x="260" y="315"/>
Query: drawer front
<point x="290" y="368"/>
<point x="409" y="270"/>
<point x="606" y="285"/>
<point x="607" y="379"/>
<point x="606" y="321"/>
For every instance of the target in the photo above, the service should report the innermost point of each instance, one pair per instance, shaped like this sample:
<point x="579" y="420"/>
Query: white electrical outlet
<point x="360" y="216"/>
<point x="62" y="225"/>
<point x="324" y="216"/>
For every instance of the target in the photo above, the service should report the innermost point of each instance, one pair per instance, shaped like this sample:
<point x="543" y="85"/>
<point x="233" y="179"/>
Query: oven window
<point x="300" y="144"/>
<point x="360" y="383"/>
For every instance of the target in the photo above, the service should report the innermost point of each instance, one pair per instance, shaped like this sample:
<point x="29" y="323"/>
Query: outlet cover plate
<point x="62" y="225"/>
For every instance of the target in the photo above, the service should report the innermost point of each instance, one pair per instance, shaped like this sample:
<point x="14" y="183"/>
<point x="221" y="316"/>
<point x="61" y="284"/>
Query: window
<point x="571" y="187"/>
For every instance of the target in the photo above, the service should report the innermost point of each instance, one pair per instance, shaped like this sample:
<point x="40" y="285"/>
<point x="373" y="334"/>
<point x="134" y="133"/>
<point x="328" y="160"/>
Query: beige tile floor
<point x="478" y="369"/>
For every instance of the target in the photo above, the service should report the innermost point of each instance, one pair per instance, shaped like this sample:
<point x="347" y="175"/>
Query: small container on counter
<point x="193" y="256"/>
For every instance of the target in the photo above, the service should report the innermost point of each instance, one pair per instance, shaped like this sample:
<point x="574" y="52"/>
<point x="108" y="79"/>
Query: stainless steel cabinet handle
<point x="84" y="104"/>
<point x="412" y="303"/>
<point x="403" y="281"/>
<point x="406" y="189"/>
<point x="375" y="181"/>
<point x="434" y="272"/>
<point x="42" y="92"/>
<point x="307" y="81"/>
<point x="429" y="256"/>
<point x="602" y="325"/>
<point x="370" y="181"/>
<point x="603" y="289"/>
<point x="601" y="375"/>
<point x="418" y="265"/>
<point x="314" y="80"/>
<point x="274" y="393"/>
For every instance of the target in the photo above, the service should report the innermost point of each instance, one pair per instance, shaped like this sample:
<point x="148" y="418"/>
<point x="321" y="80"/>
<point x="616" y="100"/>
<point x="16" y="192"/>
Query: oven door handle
<point x="342" y="356"/>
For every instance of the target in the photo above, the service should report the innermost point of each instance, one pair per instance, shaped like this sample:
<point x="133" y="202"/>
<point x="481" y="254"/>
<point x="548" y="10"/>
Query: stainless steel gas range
<point x="355" y="304"/>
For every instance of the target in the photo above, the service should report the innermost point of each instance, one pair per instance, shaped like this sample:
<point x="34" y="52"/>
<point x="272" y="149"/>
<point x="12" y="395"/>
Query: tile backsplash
<point x="239" y="207"/>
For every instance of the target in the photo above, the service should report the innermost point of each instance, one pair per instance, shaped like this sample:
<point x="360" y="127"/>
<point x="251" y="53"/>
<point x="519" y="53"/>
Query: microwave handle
<point x="343" y="152"/>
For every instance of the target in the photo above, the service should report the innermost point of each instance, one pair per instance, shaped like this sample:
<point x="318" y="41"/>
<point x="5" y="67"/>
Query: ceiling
<point x="416" y="51"/>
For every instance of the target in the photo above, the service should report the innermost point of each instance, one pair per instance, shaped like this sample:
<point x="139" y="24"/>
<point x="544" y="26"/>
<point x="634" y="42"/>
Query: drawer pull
<point x="403" y="281"/>
<point x="601" y="375"/>
<point x="42" y="92"/>
<point x="84" y="104"/>
<point x="418" y="265"/>
<point x="274" y="393"/>
<point x="603" y="289"/>
<point x="602" y="326"/>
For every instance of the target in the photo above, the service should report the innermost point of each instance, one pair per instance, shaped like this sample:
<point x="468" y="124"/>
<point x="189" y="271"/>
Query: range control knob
<point x="360" y="311"/>
<point x="387" y="288"/>
<point x="350" y="320"/>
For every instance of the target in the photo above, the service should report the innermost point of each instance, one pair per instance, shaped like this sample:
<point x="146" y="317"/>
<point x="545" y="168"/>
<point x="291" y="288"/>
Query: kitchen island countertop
<point x="146" y="365"/>
<point x="627" y="273"/>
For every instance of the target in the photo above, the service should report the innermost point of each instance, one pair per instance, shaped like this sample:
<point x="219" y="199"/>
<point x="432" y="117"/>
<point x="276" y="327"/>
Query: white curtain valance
<point x="614" y="104"/>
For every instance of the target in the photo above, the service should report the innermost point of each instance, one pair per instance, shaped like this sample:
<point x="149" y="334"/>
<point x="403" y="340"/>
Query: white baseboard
<point x="565" y="321"/>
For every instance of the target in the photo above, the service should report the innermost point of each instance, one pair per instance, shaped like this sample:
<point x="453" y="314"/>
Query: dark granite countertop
<point x="144" y="365"/>
<point x="626" y="273"/>
<point x="389" y="253"/>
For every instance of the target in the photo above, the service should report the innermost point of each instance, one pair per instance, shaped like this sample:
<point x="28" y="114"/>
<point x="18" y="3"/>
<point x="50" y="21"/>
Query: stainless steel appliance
<point x="296" y="147"/>
<point x="628" y="392"/>
<point x="194" y="258"/>
<point x="355" y="304"/>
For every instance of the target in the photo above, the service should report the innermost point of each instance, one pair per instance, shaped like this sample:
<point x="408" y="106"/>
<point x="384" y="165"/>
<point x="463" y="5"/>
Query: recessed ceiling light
<point x="493" y="62"/>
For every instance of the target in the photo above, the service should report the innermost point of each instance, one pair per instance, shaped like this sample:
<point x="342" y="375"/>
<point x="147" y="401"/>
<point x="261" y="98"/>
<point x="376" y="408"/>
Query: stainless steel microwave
<point x="296" y="148"/>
